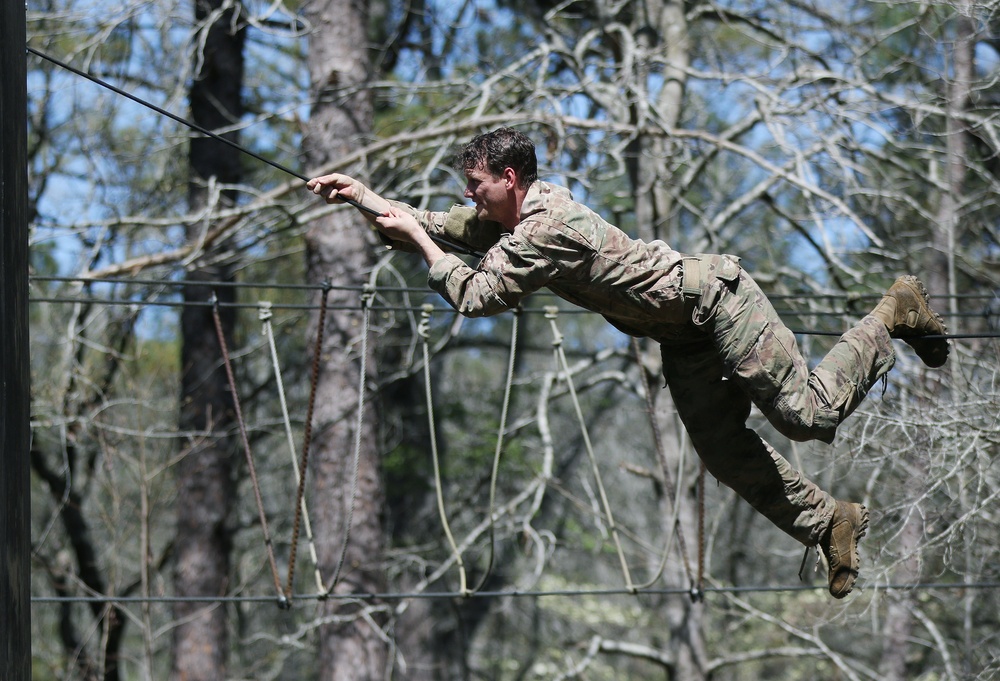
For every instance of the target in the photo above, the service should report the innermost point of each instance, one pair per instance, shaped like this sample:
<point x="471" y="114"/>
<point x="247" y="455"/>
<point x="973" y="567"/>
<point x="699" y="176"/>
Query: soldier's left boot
<point x="840" y="546"/>
<point x="906" y="312"/>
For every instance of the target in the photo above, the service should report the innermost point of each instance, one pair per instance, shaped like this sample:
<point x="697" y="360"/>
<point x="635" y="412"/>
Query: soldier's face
<point x="490" y="194"/>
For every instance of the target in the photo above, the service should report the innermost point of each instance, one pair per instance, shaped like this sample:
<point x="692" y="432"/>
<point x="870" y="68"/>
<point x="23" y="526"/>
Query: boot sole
<point x="933" y="352"/>
<point x="859" y="534"/>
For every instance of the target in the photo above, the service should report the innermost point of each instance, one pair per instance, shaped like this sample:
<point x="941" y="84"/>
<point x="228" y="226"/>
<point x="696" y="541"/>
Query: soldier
<point x="723" y="345"/>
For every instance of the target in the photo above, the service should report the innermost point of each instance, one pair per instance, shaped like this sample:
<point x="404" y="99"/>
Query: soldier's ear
<point x="509" y="177"/>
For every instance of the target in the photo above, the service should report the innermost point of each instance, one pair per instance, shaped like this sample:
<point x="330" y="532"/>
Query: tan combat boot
<point x="840" y="546"/>
<point x="905" y="310"/>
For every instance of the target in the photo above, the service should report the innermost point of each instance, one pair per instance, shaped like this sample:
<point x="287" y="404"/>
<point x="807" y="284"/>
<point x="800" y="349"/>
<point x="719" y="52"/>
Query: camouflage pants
<point x="753" y="358"/>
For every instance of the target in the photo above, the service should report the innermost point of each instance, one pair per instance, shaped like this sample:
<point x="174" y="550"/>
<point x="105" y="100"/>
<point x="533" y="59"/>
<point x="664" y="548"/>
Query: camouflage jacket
<point x="566" y="247"/>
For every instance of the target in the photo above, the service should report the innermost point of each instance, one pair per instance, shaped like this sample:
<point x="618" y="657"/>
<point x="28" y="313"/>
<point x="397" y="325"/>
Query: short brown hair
<point x="502" y="148"/>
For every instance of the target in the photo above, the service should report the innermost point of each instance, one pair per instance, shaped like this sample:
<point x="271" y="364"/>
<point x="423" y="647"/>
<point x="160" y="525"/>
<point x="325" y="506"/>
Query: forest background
<point x="831" y="147"/>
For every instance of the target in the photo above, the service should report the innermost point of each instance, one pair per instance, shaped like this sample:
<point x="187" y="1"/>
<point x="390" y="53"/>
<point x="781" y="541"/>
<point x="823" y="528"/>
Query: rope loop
<point x="673" y="489"/>
<point x="423" y="331"/>
<point x="368" y="294"/>
<point x="498" y="451"/>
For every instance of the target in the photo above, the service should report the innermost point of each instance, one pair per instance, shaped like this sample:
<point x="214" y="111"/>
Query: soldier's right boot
<point x="840" y="546"/>
<point x="906" y="312"/>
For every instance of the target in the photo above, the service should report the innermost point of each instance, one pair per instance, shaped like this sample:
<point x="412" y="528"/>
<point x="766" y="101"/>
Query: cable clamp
<point x="423" y="328"/>
<point x="367" y="295"/>
<point x="551" y="313"/>
<point x="264" y="313"/>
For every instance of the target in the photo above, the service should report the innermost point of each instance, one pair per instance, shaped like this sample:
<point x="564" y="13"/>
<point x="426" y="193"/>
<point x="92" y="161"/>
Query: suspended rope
<point x="508" y="384"/>
<point x="282" y="599"/>
<point x="562" y="365"/>
<point x="698" y="590"/>
<point x="673" y="526"/>
<point x="423" y="330"/>
<point x="265" y="315"/>
<point x="456" y="247"/>
<point x="307" y="437"/>
<point x="367" y="297"/>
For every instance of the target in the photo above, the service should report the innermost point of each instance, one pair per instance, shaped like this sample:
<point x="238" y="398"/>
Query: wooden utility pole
<point x="15" y="502"/>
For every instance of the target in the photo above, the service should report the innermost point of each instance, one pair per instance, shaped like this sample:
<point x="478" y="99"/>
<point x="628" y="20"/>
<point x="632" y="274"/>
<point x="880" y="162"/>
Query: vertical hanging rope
<point x="367" y="298"/>
<point x="423" y="330"/>
<point x="307" y="436"/>
<point x="551" y="313"/>
<point x="698" y="592"/>
<point x="264" y="315"/>
<point x="282" y="600"/>
<point x="511" y="362"/>
<point x="697" y="588"/>
<point x="673" y="528"/>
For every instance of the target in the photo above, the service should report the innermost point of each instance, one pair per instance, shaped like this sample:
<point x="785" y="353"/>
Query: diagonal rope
<point x="551" y="313"/>
<point x="453" y="246"/>
<point x="367" y="298"/>
<point x="265" y="315"/>
<point x="511" y="363"/>
<point x="307" y="436"/>
<point x="422" y="330"/>
<point x="282" y="599"/>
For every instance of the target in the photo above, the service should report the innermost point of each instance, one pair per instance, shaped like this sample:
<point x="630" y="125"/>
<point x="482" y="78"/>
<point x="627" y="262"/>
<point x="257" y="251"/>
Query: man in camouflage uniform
<point x="723" y="345"/>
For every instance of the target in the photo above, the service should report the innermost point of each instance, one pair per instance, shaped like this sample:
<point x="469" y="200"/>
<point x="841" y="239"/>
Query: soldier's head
<point x="498" y="150"/>
<point x="499" y="167"/>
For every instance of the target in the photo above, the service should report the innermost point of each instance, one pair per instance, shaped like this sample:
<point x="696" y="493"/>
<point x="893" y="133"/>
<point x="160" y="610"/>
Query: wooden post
<point x="15" y="502"/>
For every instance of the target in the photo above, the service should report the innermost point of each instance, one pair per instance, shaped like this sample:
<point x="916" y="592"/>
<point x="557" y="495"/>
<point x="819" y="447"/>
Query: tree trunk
<point x="339" y="250"/>
<point x="206" y="489"/>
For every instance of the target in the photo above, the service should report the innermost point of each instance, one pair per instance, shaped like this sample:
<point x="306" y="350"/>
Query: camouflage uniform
<point x="723" y="345"/>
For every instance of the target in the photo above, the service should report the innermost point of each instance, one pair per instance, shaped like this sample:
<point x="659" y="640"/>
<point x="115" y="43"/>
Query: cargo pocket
<point x="765" y="369"/>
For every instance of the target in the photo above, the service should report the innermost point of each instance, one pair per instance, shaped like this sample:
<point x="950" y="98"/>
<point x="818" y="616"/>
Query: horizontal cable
<point x="418" y="308"/>
<point x="208" y="283"/>
<point x="513" y="593"/>
<point x="180" y="283"/>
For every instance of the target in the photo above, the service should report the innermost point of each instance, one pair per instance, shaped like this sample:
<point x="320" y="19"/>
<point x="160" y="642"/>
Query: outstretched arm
<point x="457" y="229"/>
<point x="335" y="188"/>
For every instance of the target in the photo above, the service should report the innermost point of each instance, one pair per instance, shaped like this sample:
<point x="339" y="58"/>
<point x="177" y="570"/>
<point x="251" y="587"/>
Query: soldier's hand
<point x="335" y="187"/>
